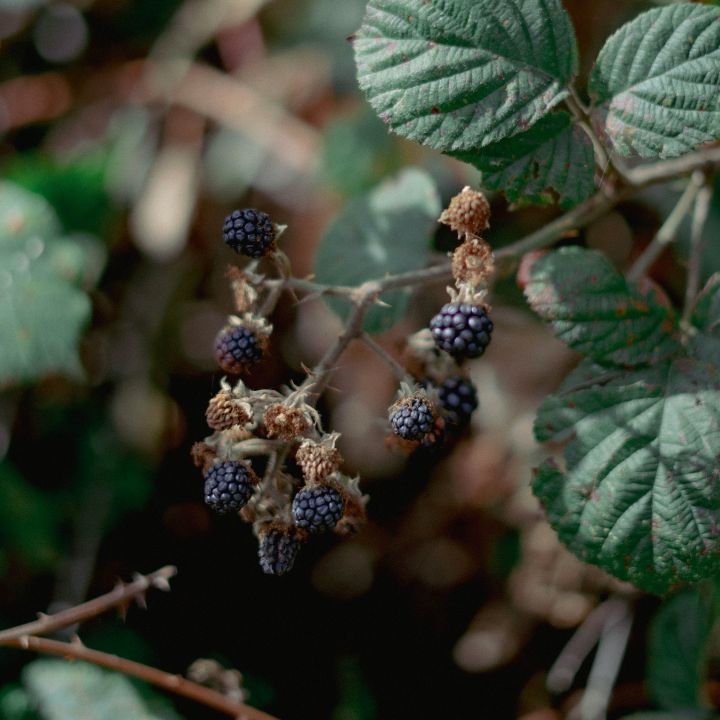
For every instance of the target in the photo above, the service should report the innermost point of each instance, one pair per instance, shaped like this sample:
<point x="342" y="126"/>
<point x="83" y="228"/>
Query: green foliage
<point x="42" y="309"/>
<point x="706" y="318"/>
<point x="595" y="312"/>
<point x="553" y="159"/>
<point x="639" y="492"/>
<point x="66" y="691"/>
<point x="383" y="232"/>
<point x="676" y="653"/>
<point x="461" y="74"/>
<point x="28" y="520"/>
<point x="657" y="81"/>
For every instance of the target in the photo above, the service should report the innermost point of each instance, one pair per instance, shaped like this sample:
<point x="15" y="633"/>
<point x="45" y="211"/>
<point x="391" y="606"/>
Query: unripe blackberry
<point x="249" y="232"/>
<point x="228" y="486"/>
<point x="412" y="418"/>
<point x="237" y="348"/>
<point x="224" y="411"/>
<point x="468" y="212"/>
<point x="458" y="397"/>
<point x="317" y="460"/>
<point x="279" y="546"/>
<point x="462" y="329"/>
<point x="318" y="508"/>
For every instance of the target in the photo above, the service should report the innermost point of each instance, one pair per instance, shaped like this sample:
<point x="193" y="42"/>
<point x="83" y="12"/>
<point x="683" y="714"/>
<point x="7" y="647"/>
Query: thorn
<point x="122" y="609"/>
<point x="381" y="303"/>
<point x="42" y="616"/>
<point x="141" y="600"/>
<point x="24" y="642"/>
<point x="76" y="641"/>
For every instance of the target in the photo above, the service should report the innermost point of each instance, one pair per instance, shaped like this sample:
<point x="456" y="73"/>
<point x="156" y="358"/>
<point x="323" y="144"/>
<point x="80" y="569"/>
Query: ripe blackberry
<point x="237" y="348"/>
<point x="412" y="419"/>
<point x="318" y="508"/>
<point x="462" y="329"/>
<point x="278" y="549"/>
<point x="458" y="397"/>
<point x="249" y="232"/>
<point x="228" y="486"/>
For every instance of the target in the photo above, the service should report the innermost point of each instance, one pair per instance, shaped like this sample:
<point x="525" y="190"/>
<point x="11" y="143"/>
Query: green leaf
<point x="594" y="311"/>
<point x="676" y="653"/>
<point x="461" y="74"/>
<point x="657" y="81"/>
<point x="640" y="491"/>
<point x="42" y="311"/>
<point x="28" y="520"/>
<point x="706" y="318"/>
<point x="683" y="715"/>
<point x="554" y="158"/>
<point x="384" y="232"/>
<point x="68" y="691"/>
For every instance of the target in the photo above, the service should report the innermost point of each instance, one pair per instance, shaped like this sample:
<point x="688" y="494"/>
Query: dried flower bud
<point x="318" y="460"/>
<point x="285" y="422"/>
<point x="468" y="212"/>
<point x="225" y="410"/>
<point x="203" y="455"/>
<point x="473" y="263"/>
<point x="244" y="294"/>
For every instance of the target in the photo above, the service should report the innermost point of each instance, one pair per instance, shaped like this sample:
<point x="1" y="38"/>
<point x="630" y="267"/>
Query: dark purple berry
<point x="237" y="348"/>
<point x="249" y="232"/>
<point x="228" y="486"/>
<point x="462" y="329"/>
<point x="458" y="397"/>
<point x="318" y="508"/>
<point x="412" y="419"/>
<point x="278" y="550"/>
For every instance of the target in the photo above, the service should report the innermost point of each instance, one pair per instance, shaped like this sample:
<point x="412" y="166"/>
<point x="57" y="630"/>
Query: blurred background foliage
<point x="128" y="129"/>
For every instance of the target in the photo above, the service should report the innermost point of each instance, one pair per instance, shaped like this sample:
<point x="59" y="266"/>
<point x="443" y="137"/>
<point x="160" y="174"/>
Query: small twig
<point x="563" y="671"/>
<point x="167" y="681"/>
<point x="398" y="370"/>
<point x="666" y="234"/>
<point x="699" y="218"/>
<point x="120" y="596"/>
<point x="605" y="668"/>
<point x="580" y="113"/>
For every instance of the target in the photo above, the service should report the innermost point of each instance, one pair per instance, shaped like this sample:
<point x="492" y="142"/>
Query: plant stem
<point x="700" y="215"/>
<point x="666" y="234"/>
<point x="582" y="118"/>
<point x="167" y="681"/>
<point x="120" y="596"/>
<point x="398" y="370"/>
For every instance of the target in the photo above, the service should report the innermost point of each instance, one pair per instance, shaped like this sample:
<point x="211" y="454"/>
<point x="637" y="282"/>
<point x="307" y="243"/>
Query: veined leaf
<point x="640" y="491"/>
<point x="383" y="232"/>
<point x="706" y="319"/>
<point x="42" y="311"/>
<point x="594" y="311"/>
<point x="553" y="158"/>
<point x="656" y="82"/>
<point x="460" y="74"/>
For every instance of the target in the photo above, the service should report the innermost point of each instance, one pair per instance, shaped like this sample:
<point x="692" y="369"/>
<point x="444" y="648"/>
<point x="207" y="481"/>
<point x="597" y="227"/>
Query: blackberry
<point x="278" y="550"/>
<point x="412" y="419"/>
<point x="458" y="397"/>
<point x="318" y="508"/>
<point x="249" y="232"/>
<point x="228" y="486"/>
<point x="237" y="348"/>
<point x="462" y="329"/>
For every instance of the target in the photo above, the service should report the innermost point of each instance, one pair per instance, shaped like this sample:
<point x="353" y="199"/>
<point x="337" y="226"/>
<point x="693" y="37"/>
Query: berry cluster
<point x="284" y="510"/>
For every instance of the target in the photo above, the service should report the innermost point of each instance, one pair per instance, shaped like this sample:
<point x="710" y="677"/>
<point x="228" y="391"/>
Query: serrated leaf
<point x="68" y="691"/>
<point x="706" y="319"/>
<point x="640" y="493"/>
<point x="554" y="158"/>
<point x="676" y="652"/>
<point x="594" y="310"/>
<point x="384" y="232"/>
<point x="656" y="83"/>
<point x="460" y="74"/>
<point x="42" y="311"/>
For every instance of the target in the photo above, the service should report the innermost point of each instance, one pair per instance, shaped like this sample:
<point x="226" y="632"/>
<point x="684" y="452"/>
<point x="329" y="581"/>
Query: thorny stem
<point x="666" y="234"/>
<point x="700" y="215"/>
<point x="167" y="681"/>
<point x="25" y="637"/>
<point x="399" y="371"/>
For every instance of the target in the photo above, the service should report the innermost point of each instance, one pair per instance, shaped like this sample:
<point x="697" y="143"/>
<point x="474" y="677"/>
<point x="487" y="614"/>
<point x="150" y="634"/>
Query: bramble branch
<point x="25" y="637"/>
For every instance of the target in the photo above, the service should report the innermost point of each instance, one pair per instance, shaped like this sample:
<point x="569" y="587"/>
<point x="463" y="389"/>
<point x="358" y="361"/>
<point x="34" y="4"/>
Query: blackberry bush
<point x="412" y="418"/>
<point x="318" y="508"/>
<point x="237" y="349"/>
